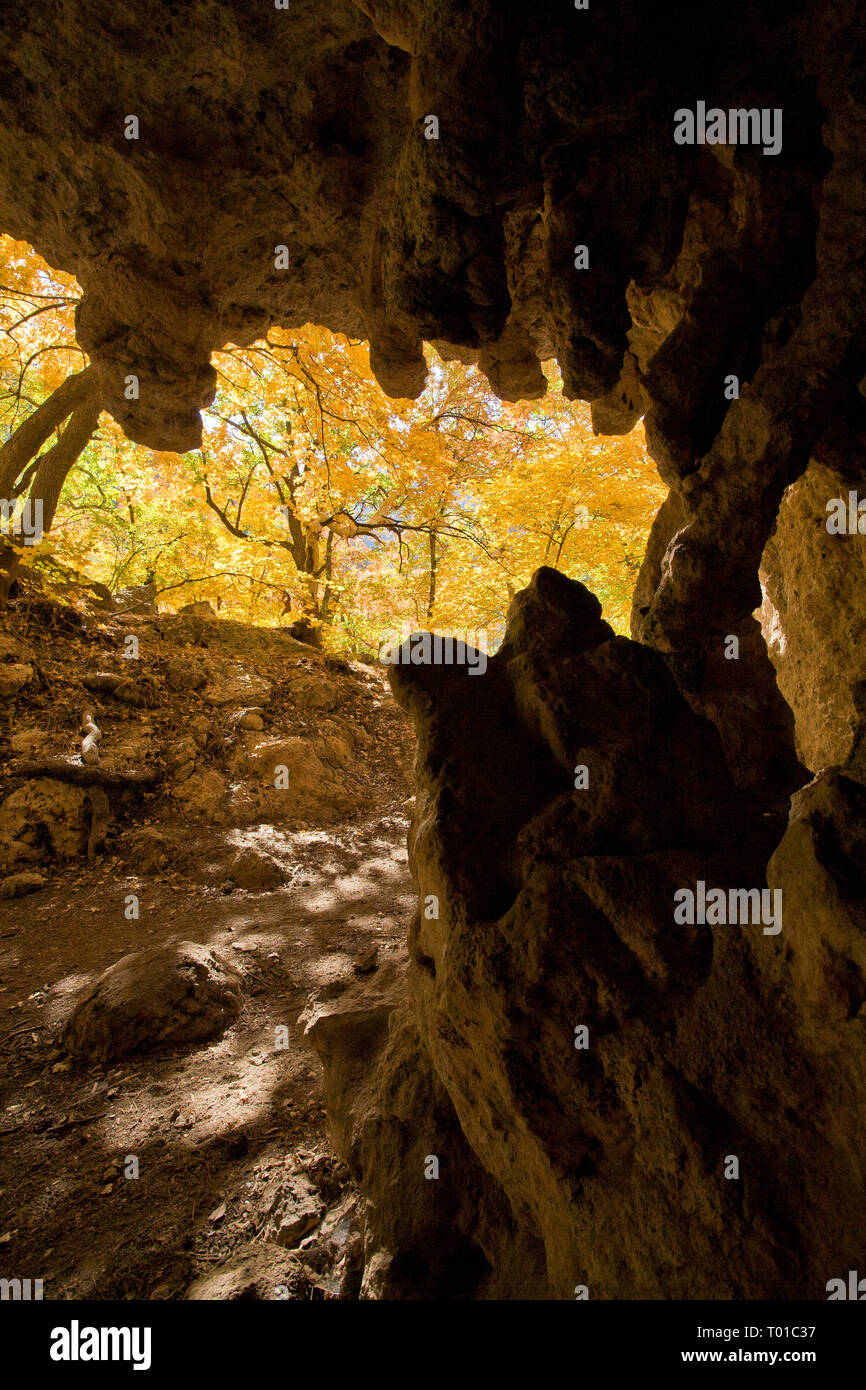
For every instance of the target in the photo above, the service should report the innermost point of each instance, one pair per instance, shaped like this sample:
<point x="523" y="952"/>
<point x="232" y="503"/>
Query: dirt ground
<point x="213" y="1126"/>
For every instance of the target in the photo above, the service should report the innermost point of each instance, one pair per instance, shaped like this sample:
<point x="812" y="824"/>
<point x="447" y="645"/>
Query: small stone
<point x="366" y="961"/>
<point x="296" y="1208"/>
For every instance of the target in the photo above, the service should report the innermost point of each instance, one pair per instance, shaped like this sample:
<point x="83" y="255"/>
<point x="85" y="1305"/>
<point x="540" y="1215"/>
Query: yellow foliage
<point x="312" y="484"/>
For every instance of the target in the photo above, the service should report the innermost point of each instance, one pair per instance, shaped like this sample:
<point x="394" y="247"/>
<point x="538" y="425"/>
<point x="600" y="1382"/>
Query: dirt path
<point x="211" y="1126"/>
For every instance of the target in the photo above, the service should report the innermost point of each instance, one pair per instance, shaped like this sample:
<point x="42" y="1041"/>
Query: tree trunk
<point x="325" y="606"/>
<point x="431" y="593"/>
<point x="54" y="466"/>
<point x="32" y="433"/>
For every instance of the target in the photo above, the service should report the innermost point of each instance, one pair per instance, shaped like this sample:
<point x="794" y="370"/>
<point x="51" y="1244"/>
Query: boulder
<point x="13" y="677"/>
<point x="202" y="608"/>
<point x="185" y="675"/>
<point x="151" y="850"/>
<point x="314" y="788"/>
<point x="335" y="744"/>
<point x="16" y="853"/>
<point x="28" y="741"/>
<point x="254" y="871"/>
<point x="167" y="995"/>
<point x="202" y="794"/>
<point x="311" y="690"/>
<point x="13" y="649"/>
<point x="235" y="685"/>
<point x="303" y="630"/>
<point x="137" y="599"/>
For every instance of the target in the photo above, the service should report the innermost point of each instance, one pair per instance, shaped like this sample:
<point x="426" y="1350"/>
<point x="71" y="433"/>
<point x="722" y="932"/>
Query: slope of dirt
<point x="218" y="1129"/>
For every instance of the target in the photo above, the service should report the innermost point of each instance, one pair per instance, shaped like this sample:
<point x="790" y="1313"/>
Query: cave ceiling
<point x="511" y="183"/>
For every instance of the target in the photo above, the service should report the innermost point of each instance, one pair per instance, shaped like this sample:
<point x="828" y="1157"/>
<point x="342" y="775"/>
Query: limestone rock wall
<point x="814" y="614"/>
<point x="547" y="907"/>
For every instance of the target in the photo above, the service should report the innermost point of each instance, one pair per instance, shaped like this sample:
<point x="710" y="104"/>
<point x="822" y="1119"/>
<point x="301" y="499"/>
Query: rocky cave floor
<point x="239" y="1193"/>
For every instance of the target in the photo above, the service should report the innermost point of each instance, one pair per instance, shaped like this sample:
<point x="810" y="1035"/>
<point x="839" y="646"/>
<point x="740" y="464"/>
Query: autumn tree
<point x="46" y="388"/>
<point x="325" y="454"/>
<point x="313" y="493"/>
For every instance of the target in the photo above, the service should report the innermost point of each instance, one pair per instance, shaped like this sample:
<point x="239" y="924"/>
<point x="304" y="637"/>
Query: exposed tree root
<point x="64" y="770"/>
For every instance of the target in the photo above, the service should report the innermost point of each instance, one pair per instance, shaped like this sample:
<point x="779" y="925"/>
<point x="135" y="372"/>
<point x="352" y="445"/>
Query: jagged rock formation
<point x="604" y="1165"/>
<point x="308" y="129"/>
<point x="813" y="613"/>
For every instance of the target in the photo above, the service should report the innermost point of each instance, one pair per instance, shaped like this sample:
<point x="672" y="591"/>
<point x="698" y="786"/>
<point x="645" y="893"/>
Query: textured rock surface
<point x="13" y="676"/>
<point x="179" y="992"/>
<point x="603" y="1165"/>
<point x="295" y="1209"/>
<point x="20" y="885"/>
<point x="236" y="686"/>
<point x="263" y="1271"/>
<point x="819" y="864"/>
<point x="250" y="869"/>
<point x="43" y="812"/>
<point x="814" y="613"/>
